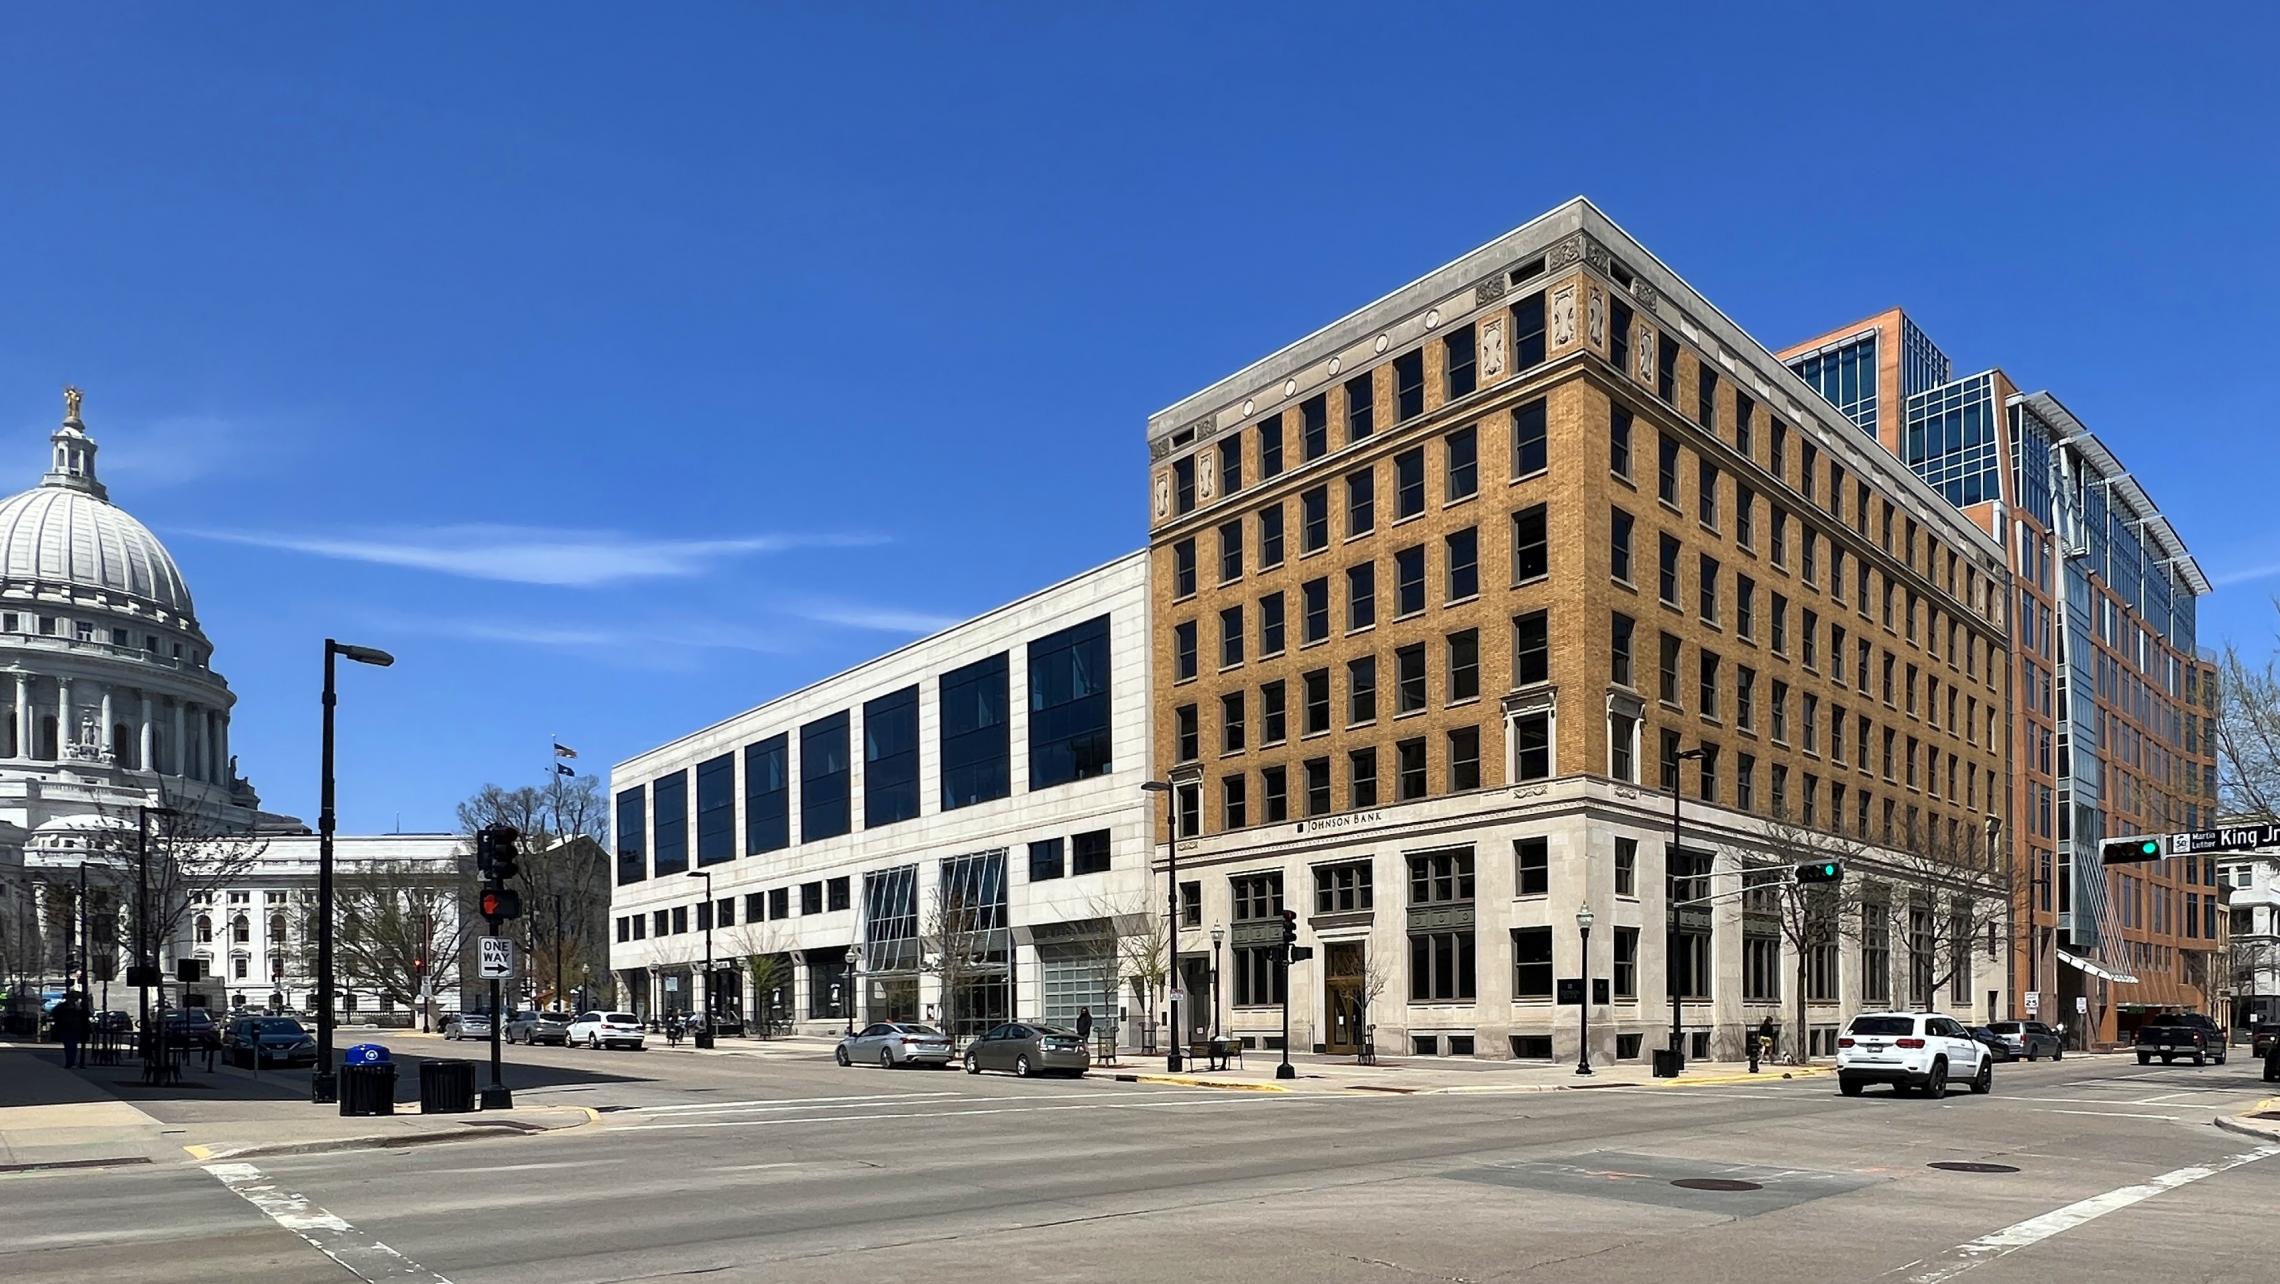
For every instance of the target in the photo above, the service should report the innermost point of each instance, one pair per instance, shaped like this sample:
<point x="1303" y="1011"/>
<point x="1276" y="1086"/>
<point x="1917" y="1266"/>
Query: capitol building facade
<point x="113" y="718"/>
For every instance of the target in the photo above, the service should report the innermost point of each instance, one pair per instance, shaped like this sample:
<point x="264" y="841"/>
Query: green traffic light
<point x="2151" y="847"/>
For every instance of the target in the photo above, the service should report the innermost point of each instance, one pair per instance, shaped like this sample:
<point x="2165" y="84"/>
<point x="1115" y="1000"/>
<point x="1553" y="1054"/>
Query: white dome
<point x="59" y="535"/>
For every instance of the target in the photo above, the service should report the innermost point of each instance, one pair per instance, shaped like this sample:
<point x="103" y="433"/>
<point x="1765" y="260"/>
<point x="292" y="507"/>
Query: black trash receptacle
<point x="1668" y="1062"/>
<point x="447" y="1087"/>
<point x="368" y="1089"/>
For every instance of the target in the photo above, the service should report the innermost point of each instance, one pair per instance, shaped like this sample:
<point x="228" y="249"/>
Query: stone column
<point x="218" y="723"/>
<point x="147" y="761"/>
<point x="25" y="725"/>
<point x="179" y="748"/>
<point x="63" y="730"/>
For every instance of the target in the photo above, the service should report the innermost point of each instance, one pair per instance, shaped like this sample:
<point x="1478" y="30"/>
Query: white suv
<point x="1911" y="1050"/>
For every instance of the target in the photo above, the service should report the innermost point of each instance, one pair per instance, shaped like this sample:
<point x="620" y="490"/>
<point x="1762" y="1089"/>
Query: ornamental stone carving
<point x="1160" y="448"/>
<point x="1206" y="476"/>
<point x="1563" y="315"/>
<point x="1643" y="352"/>
<point x="1645" y="294"/>
<point x="1163" y="496"/>
<point x="1595" y="318"/>
<point x="1488" y="291"/>
<point x="1492" y="348"/>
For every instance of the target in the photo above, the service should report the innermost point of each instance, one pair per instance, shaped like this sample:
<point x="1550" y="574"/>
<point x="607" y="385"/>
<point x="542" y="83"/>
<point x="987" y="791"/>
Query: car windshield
<point x="1886" y="1025"/>
<point x="2004" y="1027"/>
<point x="623" y="1018"/>
<point x="280" y="1025"/>
<point x="924" y="1030"/>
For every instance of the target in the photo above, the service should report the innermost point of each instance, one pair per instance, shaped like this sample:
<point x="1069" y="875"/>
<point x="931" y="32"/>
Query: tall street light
<point x="854" y="957"/>
<point x="1218" y="934"/>
<point x="1583" y="927"/>
<point x="324" y="1081"/>
<point x="1670" y="877"/>
<point x="1169" y="789"/>
<point x="704" y="1040"/>
<point x="146" y="966"/>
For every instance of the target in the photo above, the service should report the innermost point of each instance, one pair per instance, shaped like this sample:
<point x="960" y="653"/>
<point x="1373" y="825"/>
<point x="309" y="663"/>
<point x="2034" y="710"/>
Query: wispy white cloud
<point x="538" y="555"/>
<point x="881" y="619"/>
<point x="177" y="450"/>
<point x="2246" y="574"/>
<point x="661" y="643"/>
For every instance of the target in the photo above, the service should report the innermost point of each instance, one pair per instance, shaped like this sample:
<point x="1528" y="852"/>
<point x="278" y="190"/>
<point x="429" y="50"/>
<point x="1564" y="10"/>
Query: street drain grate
<point x="1958" y="1166"/>
<point x="1715" y="1183"/>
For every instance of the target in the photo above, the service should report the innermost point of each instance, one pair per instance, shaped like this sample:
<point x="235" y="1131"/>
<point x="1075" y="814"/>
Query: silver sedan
<point x="888" y="1044"/>
<point x="1028" y="1048"/>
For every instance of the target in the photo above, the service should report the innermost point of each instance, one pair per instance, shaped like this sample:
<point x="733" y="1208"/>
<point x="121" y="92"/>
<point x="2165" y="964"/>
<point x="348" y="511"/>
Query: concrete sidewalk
<point x="1443" y="1075"/>
<point x="53" y="1117"/>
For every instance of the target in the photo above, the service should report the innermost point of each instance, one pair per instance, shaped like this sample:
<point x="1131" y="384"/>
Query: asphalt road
<point x="788" y="1168"/>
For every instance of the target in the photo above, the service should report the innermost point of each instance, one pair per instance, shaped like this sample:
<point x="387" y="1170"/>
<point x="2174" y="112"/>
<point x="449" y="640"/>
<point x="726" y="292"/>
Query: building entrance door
<point x="1344" y="1018"/>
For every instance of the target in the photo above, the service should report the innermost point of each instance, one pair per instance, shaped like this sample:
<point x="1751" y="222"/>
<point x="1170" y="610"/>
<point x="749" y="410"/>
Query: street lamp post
<point x="1218" y="934"/>
<point x="146" y="965"/>
<point x="854" y="958"/>
<point x="1583" y="1053"/>
<point x="1670" y="879"/>
<point x="1172" y="1059"/>
<point x="704" y="1039"/>
<point x="324" y="1081"/>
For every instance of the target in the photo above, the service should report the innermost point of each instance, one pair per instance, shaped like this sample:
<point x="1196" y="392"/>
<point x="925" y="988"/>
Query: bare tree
<point x="1374" y="983"/>
<point x="190" y="857"/>
<point x="1141" y="944"/>
<point x="2248" y="738"/>
<point x="1815" y="917"/>
<point x="769" y="967"/>
<point x="1954" y="899"/>
<point x="565" y="874"/>
<point x="953" y="942"/>
<point x="402" y="928"/>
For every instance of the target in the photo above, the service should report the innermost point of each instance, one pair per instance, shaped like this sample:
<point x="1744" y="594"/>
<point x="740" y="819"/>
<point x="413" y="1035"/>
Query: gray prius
<point x="1028" y="1048"/>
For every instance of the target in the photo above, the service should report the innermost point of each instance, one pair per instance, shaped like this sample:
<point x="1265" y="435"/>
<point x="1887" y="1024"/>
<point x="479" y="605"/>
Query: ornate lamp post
<point x="705" y="1040"/>
<point x="854" y="959"/>
<point x="1583" y="1052"/>
<point x="1218" y="934"/>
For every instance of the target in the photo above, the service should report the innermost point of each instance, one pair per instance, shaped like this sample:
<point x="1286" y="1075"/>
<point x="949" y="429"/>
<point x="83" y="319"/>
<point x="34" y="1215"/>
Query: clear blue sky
<point x="621" y="367"/>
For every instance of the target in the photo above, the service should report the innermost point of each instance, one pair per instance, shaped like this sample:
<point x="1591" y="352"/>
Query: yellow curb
<point x="200" y="1153"/>
<point x="1186" y="1082"/>
<point x="1710" y="1081"/>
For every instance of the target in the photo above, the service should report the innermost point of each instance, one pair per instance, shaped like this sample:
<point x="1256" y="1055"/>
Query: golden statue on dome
<point x="70" y="403"/>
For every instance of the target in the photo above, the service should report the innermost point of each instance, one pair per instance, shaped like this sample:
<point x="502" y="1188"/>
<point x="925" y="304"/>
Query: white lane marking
<point x="524" y="1168"/>
<point x="365" y="1257"/>
<point x="2109" y="1114"/>
<point x="883" y="1103"/>
<point x="2089" y="1101"/>
<point x="784" y="1101"/>
<point x="2035" y="1230"/>
<point x="1232" y="1099"/>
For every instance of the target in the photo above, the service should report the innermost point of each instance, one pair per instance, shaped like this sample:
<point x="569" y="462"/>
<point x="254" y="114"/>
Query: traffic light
<point x="1290" y="927"/>
<point x="498" y="904"/>
<point x="1820" y="871"/>
<point x="2130" y="851"/>
<point x="496" y="852"/>
<point x="1299" y="954"/>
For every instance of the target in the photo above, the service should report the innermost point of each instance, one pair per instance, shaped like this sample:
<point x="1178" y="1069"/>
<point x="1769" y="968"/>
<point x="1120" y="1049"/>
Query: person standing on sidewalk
<point x="1084" y="1028"/>
<point x="71" y="1029"/>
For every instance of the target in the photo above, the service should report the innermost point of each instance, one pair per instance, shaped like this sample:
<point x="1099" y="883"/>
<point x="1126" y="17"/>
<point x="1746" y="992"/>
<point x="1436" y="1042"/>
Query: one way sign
<point x="495" y="958"/>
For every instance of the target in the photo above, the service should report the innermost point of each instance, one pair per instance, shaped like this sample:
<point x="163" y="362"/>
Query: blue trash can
<point x="365" y="1054"/>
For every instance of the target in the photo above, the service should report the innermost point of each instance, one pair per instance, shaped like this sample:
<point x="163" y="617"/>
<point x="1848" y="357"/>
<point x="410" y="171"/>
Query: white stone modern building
<point x="2250" y="966"/>
<point x="995" y="765"/>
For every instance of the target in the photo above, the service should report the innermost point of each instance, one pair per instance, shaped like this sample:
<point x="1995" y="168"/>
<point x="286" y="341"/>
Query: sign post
<point x="2034" y="1002"/>
<point x="495" y="962"/>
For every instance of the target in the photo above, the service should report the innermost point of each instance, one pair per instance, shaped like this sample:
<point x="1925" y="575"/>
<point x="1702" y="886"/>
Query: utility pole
<point x="558" y="1003"/>
<point x="1670" y="880"/>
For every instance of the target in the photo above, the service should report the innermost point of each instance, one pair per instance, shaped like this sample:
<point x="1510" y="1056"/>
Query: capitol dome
<point x="66" y="534"/>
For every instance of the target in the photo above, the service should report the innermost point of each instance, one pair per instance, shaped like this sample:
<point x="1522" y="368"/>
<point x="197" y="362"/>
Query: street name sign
<point x="2227" y="838"/>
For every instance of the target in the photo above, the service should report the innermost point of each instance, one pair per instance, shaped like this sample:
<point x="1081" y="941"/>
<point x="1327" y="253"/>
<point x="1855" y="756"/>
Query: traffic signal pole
<point x="496" y="1097"/>
<point x="495" y="856"/>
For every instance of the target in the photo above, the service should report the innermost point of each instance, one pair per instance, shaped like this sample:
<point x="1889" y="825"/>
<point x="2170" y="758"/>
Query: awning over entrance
<point x="2103" y="974"/>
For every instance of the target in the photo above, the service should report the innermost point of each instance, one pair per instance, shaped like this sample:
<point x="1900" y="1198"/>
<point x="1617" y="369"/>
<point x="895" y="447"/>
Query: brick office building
<point x="1441" y="593"/>
<point x="2112" y="732"/>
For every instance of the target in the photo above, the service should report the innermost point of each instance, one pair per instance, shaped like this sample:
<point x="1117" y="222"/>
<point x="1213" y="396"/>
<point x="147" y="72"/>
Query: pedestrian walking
<point x="71" y="1030"/>
<point x="1084" y="1027"/>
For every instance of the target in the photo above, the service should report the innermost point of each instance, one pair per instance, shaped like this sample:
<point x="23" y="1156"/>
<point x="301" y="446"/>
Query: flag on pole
<point x="562" y="750"/>
<point x="563" y="769"/>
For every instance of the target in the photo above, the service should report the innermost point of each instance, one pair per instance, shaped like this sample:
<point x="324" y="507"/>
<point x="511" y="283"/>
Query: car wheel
<point x="2058" y="1054"/>
<point x="886" y="1059"/>
<point x="972" y="1066"/>
<point x="2145" y="1058"/>
<point x="1984" y="1082"/>
<point x="1021" y="1067"/>
<point x="2200" y="1059"/>
<point x="2030" y="1052"/>
<point x="2220" y="1058"/>
<point x="1850" y="1087"/>
<point x="1936" y="1086"/>
<point x="593" y="1043"/>
<point x="840" y="1055"/>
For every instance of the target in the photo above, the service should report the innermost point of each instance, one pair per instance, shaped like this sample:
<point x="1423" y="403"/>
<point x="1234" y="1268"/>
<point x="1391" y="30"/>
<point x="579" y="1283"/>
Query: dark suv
<point x="2180" y="1034"/>
<point x="2028" y="1039"/>
<point x="192" y="1028"/>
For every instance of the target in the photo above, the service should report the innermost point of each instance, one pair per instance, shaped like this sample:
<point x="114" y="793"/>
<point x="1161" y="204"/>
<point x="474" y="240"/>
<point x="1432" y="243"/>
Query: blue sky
<point x="619" y="368"/>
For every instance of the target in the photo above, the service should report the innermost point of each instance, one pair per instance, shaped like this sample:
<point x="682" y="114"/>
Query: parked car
<point x="2028" y="1039"/>
<point x="534" y="1028"/>
<point x="607" y="1030"/>
<point x="192" y="1028"/>
<point x="114" y="1023"/>
<point x="1028" y="1048"/>
<point x="256" y="1041"/>
<point x="1991" y="1041"/>
<point x="895" y="1043"/>
<point x="2261" y="1036"/>
<point x="1911" y="1050"/>
<point x="2180" y="1034"/>
<point x="467" y="1025"/>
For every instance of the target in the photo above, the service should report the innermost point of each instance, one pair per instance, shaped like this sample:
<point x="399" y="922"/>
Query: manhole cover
<point x="1715" y="1183"/>
<point x="1957" y="1166"/>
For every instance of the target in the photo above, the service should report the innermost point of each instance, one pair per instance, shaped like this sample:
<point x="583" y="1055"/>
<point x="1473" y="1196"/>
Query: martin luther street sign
<point x="2190" y="842"/>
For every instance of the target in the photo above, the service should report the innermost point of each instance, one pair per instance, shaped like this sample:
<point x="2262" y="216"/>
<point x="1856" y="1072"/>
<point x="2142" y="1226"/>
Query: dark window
<point x="1669" y="669"/>
<point x="1706" y="396"/>
<point x="1532" y="746"/>
<point x="779" y="902"/>
<point x="1408" y="483"/>
<point x="890" y="758"/>
<point x="838" y="891"/>
<point x="1666" y="563"/>
<point x="1183" y="649"/>
<point x="671" y="800"/>
<point x="1666" y="469"/>
<point x="1069" y="723"/>
<point x="1230" y="636"/>
<point x="977" y="750"/>
<point x="824" y="810"/>
<point x="1463" y="447"/>
<point x="1183" y="568"/>
<point x="1528" y="441"/>
<point x="1314" y="427"/>
<point x="1183" y="483"/>
<point x="1618" y="441"/>
<point x="1411" y="764"/>
<point x="1745" y="517"/>
<point x="1463" y="563"/>
<point x="632" y="835"/>
<point x="1270" y="446"/>
<point x="1342" y="889"/>
<point x="1409" y="678"/>
<point x="1361" y="766"/>
<point x="1532" y="649"/>
<point x="1528" y="333"/>
<point x="1457" y="349"/>
<point x="1314" y="520"/>
<point x="1706" y="585"/>
<point x="1089" y="852"/>
<point x="1619" y="335"/>
<point x="1233" y="806"/>
<point x="768" y="795"/>
<point x="1361" y="503"/>
<point x="1271" y="535"/>
<point x="1186" y="739"/>
<point x="1745" y="607"/>
<point x="1626" y="979"/>
<point x="1619" y="526"/>
<point x="1409" y="385"/>
<point x="1318" y="786"/>
<point x="1361" y="409"/>
<point x="1274" y="787"/>
<point x="1231" y="722"/>
<point x="1464" y="758"/>
<point x="1707" y="661"/>
<point x="1409" y="580"/>
<point x="1464" y="665"/>
<point x="1273" y="708"/>
<point x="1620" y="634"/>
<point x="1231" y="551"/>
<point x="1626" y="867"/>
<point x="716" y="809"/>
<point x="1045" y="860"/>
<point x="1531" y="963"/>
<point x="1361" y="596"/>
<point x="1361" y="689"/>
<point x="1531" y="544"/>
<point x="1314" y="602"/>
<point x="1271" y="624"/>
<point x="1316" y="685"/>
<point x="1231" y="465"/>
<point x="1666" y="369"/>
<point x="1706" y="493"/>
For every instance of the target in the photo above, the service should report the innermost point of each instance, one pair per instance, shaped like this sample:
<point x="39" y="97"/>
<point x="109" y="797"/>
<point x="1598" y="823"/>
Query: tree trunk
<point x="1797" y="1041"/>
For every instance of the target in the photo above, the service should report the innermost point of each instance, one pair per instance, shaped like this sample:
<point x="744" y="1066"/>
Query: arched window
<point x="276" y="931"/>
<point x="205" y="929"/>
<point x="241" y="931"/>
